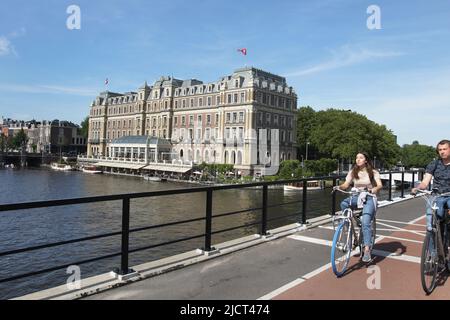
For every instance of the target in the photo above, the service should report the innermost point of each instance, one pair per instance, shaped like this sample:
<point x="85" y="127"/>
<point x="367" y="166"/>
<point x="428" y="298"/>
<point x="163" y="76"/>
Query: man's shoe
<point x="366" y="256"/>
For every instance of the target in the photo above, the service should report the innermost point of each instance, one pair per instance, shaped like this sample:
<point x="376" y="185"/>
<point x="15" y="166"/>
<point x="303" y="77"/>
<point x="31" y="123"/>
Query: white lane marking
<point x="418" y="232"/>
<point x="312" y="240"/>
<point x="401" y="222"/>
<point x="403" y="239"/>
<point x="396" y="256"/>
<point x="282" y="289"/>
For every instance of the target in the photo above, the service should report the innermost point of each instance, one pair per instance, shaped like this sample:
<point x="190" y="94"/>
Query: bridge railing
<point x="207" y="219"/>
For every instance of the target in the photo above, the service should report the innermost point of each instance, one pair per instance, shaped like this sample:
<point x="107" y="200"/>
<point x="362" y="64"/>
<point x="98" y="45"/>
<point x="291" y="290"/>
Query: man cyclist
<point x="440" y="170"/>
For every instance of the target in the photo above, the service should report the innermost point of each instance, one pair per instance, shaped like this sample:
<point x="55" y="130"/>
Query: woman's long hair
<point x="369" y="168"/>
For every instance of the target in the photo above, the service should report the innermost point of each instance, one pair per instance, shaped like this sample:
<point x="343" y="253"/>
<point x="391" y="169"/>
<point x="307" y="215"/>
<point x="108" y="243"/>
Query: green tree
<point x="84" y="131"/>
<point x="321" y="167"/>
<point x="20" y="140"/>
<point x="3" y="143"/>
<point x="417" y="155"/>
<point x="341" y="134"/>
<point x="306" y="121"/>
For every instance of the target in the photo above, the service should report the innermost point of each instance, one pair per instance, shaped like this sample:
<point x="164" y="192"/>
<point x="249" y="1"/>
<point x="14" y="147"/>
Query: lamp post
<point x="374" y="161"/>
<point x="307" y="144"/>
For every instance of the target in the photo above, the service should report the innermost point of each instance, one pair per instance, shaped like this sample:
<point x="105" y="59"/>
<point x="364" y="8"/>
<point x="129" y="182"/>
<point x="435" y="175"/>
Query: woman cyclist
<point x="364" y="177"/>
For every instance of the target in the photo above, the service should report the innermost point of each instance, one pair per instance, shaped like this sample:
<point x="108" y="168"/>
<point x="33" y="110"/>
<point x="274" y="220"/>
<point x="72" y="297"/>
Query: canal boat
<point x="298" y="186"/>
<point x="91" y="169"/>
<point x="61" y="167"/>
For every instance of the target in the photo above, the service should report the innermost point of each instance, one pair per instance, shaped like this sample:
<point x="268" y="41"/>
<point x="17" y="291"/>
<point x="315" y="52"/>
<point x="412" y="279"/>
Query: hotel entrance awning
<point x="167" y="168"/>
<point x="121" y="165"/>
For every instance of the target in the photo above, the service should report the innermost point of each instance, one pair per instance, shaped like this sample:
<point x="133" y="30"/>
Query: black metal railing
<point x="208" y="218"/>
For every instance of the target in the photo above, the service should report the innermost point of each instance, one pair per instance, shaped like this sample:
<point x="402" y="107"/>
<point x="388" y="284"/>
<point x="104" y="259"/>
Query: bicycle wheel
<point x="341" y="248"/>
<point x="429" y="262"/>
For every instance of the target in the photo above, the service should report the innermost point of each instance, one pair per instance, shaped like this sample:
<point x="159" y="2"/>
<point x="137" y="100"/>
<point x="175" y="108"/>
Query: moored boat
<point x="91" y="169"/>
<point x="61" y="167"/>
<point x="298" y="186"/>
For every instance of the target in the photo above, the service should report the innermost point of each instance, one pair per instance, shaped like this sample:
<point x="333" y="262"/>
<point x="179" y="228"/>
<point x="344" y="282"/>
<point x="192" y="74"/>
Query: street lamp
<point x="374" y="161"/>
<point x="307" y="144"/>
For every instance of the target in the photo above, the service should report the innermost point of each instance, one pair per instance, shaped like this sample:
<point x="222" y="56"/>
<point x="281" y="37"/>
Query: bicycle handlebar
<point x="428" y="192"/>
<point x="353" y="191"/>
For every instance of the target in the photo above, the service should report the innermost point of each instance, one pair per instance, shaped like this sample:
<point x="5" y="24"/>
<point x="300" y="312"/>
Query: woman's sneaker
<point x="366" y="256"/>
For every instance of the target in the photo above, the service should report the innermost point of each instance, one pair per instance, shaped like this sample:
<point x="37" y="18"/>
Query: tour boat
<point x="91" y="169"/>
<point x="61" y="167"/>
<point x="298" y="186"/>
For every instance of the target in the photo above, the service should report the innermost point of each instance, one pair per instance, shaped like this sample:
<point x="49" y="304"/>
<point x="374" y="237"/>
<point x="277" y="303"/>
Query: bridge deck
<point x="297" y="267"/>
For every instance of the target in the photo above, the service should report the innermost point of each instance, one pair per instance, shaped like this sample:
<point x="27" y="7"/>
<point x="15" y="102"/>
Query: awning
<point x="120" y="165"/>
<point x="168" y="168"/>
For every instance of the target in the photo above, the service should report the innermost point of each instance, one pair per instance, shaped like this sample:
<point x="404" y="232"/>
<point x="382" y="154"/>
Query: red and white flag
<point x="106" y="82"/>
<point x="243" y="51"/>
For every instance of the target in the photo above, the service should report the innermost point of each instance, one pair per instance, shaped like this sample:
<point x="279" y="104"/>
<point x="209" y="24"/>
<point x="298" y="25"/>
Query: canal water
<point x="24" y="228"/>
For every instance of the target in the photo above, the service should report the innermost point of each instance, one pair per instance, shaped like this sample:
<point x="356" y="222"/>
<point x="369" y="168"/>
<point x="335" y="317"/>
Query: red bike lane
<point x="394" y="273"/>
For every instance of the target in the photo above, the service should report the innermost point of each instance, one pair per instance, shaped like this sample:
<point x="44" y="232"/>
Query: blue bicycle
<point x="348" y="235"/>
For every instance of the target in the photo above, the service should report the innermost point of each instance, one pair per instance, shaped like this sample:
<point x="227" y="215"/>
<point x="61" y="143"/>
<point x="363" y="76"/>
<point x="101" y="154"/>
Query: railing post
<point x="390" y="186"/>
<point x="304" y="202"/>
<point x="264" y="211"/>
<point x="333" y="199"/>
<point x="125" y="235"/>
<point x="208" y="222"/>
<point x="403" y="185"/>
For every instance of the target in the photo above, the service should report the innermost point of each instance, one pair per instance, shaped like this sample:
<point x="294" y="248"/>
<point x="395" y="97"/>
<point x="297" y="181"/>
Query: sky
<point x="396" y="74"/>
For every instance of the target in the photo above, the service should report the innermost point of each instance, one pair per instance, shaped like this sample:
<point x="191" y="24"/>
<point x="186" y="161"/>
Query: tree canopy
<point x="341" y="134"/>
<point x="417" y="155"/>
<point x="85" y="127"/>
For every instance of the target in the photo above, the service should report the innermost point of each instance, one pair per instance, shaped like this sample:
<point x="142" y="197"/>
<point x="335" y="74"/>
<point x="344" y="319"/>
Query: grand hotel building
<point x="214" y="122"/>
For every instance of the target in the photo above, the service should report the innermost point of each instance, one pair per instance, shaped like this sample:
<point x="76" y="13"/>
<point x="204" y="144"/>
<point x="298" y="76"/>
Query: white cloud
<point x="343" y="57"/>
<point x="6" y="47"/>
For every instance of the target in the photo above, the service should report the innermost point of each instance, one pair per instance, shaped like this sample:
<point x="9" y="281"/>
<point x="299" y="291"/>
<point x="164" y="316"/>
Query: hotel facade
<point x="221" y="122"/>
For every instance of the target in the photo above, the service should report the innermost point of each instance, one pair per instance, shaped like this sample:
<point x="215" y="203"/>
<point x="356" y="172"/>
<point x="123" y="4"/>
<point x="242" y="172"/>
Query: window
<point x="235" y="98"/>
<point x="175" y="121"/>
<point x="217" y="119"/>
<point x="234" y="117"/>
<point x="228" y="117"/>
<point x="241" y="116"/>
<point x="227" y="133"/>
<point x="200" y="102"/>
<point x="268" y="118"/>
<point x="183" y="120"/>
<point x="242" y="96"/>
<point x="191" y="120"/>
<point x="209" y="101"/>
<point x="208" y="119"/>
<point x="199" y="119"/>
<point x="229" y="98"/>
<point x="218" y="100"/>
<point x="192" y="103"/>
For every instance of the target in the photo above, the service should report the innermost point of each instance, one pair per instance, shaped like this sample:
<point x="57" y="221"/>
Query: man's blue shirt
<point x="441" y="175"/>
